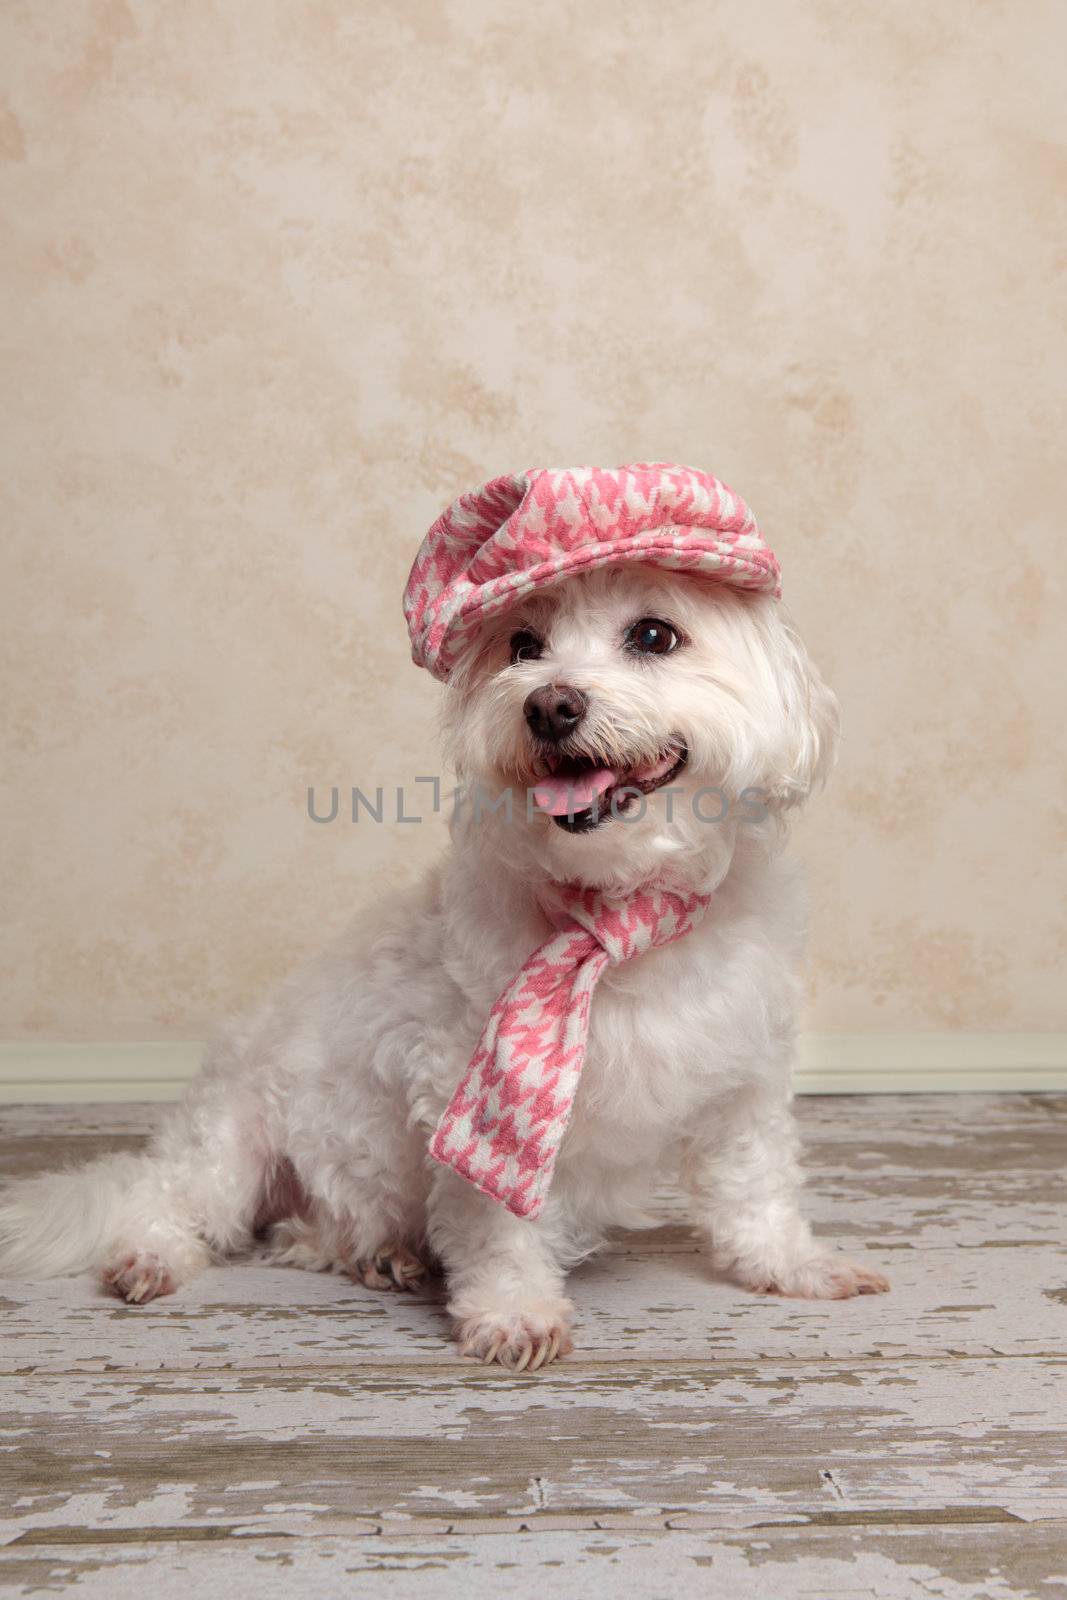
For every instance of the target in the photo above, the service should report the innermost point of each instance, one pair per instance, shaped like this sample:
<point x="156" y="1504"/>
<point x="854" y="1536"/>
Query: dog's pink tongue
<point x="557" y="796"/>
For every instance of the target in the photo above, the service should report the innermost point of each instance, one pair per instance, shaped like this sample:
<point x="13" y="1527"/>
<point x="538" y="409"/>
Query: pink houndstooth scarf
<point x="503" y="1127"/>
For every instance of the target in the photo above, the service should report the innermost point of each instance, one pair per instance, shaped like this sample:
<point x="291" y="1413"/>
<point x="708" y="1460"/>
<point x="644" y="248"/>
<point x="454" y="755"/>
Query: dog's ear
<point x="807" y="749"/>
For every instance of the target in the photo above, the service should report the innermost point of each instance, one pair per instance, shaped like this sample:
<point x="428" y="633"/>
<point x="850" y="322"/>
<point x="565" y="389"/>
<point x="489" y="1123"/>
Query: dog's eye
<point x="525" y="646"/>
<point x="652" y="637"/>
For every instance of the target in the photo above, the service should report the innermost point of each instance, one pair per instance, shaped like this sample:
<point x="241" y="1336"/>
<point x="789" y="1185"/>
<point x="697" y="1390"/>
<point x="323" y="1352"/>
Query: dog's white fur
<point x="312" y="1115"/>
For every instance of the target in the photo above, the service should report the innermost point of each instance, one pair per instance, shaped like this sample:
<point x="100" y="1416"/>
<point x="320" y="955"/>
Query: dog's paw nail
<point x="871" y="1282"/>
<point x="138" y="1278"/>
<point x="826" y="1278"/>
<point x="520" y="1342"/>
<point x="395" y="1267"/>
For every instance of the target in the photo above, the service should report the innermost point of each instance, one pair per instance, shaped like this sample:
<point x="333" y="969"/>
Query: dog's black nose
<point x="554" y="711"/>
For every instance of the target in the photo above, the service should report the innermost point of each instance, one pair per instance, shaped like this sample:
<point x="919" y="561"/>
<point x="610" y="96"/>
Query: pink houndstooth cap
<point x="518" y="533"/>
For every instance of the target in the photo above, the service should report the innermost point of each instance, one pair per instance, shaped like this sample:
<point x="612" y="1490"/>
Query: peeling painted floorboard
<point x="896" y="1563"/>
<point x="270" y="1432"/>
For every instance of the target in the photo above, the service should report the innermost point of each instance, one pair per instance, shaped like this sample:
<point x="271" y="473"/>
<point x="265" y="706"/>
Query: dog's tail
<point x="64" y="1222"/>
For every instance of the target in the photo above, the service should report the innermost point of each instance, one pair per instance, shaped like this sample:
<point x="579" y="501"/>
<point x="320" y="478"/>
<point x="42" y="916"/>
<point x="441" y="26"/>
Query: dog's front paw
<point x="822" y="1277"/>
<point x="137" y="1277"/>
<point x="395" y="1267"/>
<point x="522" y="1340"/>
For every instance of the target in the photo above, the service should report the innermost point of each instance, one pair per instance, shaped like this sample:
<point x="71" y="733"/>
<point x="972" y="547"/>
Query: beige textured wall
<point x="281" y="278"/>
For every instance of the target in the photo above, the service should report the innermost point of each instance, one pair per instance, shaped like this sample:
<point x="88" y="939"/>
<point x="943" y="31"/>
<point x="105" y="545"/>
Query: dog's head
<point x="638" y="716"/>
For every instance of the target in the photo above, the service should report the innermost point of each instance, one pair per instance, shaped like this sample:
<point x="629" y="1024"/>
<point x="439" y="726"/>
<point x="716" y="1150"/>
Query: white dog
<point x="687" y="719"/>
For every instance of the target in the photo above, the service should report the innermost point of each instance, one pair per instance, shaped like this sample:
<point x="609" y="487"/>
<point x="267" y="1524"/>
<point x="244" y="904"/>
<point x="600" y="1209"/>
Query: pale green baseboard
<point x="830" y="1063"/>
<point x="150" y="1070"/>
<point x="894" y="1063"/>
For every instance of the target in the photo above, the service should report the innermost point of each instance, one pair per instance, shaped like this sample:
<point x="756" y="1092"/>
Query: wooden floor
<point x="269" y="1432"/>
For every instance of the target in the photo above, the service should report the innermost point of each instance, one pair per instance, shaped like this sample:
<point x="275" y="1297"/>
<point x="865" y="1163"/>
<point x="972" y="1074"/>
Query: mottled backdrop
<point x="281" y="278"/>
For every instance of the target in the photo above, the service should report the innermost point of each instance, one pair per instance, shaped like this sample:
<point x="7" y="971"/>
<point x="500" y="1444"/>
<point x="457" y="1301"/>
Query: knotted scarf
<point x="503" y="1127"/>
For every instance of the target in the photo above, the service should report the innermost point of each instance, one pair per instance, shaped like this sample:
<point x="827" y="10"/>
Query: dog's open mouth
<point x="580" y="792"/>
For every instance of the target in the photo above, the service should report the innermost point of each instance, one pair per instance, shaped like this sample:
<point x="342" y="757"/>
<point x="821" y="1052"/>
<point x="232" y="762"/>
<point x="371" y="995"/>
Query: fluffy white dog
<point x="309" y="1123"/>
